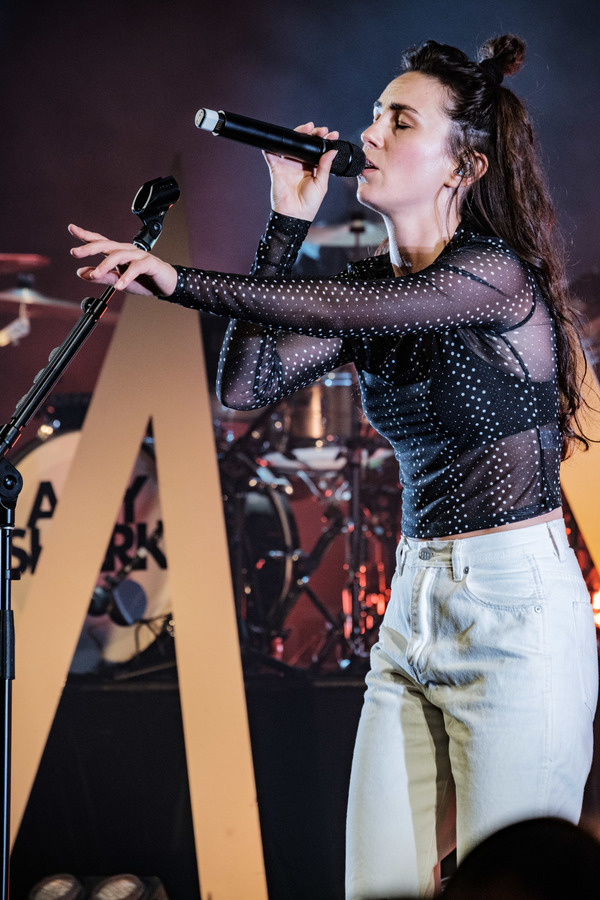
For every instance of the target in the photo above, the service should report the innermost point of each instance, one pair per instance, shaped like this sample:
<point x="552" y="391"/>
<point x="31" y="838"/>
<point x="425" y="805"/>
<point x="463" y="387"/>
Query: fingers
<point x="134" y="270"/>
<point x="324" y="167"/>
<point x="116" y="254"/>
<point x="101" y="245"/>
<point x="326" y="161"/>
<point x="281" y="163"/>
<point x="122" y="267"/>
<point x="327" y="135"/>
<point x="321" y="131"/>
<point x="118" y="257"/>
<point x="125" y="266"/>
<point x="84" y="235"/>
<point x="120" y="270"/>
<point x="95" y="243"/>
<point x="86" y="274"/>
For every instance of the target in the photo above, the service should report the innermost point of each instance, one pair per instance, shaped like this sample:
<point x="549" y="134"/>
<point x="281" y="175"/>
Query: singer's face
<point x="407" y="145"/>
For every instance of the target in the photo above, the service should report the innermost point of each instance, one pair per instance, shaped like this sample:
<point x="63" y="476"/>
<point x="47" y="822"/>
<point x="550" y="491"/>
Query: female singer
<point x="482" y="687"/>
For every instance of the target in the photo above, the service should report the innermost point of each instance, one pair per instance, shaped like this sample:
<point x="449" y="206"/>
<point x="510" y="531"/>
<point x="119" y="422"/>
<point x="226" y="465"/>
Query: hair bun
<point x="506" y="52"/>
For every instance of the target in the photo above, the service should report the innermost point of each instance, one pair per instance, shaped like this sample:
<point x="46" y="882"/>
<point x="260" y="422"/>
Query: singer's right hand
<point x="298" y="189"/>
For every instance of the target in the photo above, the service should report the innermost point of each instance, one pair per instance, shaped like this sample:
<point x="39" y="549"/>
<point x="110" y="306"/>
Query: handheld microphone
<point x="350" y="160"/>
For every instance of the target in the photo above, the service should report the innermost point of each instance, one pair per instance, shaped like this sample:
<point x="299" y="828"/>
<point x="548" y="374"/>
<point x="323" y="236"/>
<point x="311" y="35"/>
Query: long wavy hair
<point x="511" y="200"/>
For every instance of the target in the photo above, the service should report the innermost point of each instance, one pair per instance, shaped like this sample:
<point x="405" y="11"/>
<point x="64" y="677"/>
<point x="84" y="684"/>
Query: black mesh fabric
<point x="456" y="364"/>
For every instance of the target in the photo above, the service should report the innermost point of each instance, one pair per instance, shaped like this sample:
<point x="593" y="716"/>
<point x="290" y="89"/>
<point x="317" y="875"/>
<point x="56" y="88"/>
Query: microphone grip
<point x="350" y="159"/>
<point x="272" y="138"/>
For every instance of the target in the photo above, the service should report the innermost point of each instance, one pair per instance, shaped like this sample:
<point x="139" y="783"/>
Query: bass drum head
<point x="263" y="546"/>
<point x="45" y="467"/>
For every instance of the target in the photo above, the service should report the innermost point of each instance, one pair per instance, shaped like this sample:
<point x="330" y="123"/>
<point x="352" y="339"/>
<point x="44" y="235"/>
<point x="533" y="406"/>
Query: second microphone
<point x="350" y="160"/>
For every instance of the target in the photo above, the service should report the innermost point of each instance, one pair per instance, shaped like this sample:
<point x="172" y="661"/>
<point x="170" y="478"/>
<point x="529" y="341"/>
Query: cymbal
<point x="34" y="298"/>
<point x="356" y="233"/>
<point x="37" y="305"/>
<point x="11" y="263"/>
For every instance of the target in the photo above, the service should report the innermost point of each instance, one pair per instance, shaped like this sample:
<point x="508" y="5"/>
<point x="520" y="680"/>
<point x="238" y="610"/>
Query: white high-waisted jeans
<point x="479" y="704"/>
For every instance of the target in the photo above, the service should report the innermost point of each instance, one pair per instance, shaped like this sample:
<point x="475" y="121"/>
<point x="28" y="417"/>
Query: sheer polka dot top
<point x="456" y="366"/>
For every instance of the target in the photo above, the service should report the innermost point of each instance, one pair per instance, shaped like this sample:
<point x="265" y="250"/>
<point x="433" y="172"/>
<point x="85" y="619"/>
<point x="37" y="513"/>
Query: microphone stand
<point x="150" y="204"/>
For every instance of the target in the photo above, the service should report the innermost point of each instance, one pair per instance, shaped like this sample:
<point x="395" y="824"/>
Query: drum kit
<point x="312" y="451"/>
<point x="314" y="445"/>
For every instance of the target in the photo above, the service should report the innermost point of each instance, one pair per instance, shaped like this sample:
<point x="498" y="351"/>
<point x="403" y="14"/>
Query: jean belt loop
<point x="558" y="538"/>
<point x="457" y="566"/>
<point x="402" y="549"/>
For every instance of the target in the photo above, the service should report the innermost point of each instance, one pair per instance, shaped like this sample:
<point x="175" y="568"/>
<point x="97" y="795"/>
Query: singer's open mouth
<point x="369" y="165"/>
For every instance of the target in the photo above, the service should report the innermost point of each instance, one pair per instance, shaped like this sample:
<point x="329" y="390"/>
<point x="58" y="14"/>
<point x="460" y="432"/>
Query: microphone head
<point x="207" y="119"/>
<point x="350" y="160"/>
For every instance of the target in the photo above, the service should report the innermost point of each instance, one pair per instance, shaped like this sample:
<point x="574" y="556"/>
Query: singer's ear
<point x="470" y="169"/>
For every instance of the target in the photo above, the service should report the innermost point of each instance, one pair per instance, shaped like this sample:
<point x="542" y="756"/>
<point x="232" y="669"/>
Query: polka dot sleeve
<point x="260" y="365"/>
<point x="475" y="282"/>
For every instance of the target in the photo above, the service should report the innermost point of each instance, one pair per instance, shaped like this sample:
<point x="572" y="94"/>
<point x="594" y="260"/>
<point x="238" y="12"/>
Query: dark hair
<point x="511" y="200"/>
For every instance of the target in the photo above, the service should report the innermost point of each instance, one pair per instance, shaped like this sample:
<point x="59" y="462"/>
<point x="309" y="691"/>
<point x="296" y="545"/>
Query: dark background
<point x="96" y="99"/>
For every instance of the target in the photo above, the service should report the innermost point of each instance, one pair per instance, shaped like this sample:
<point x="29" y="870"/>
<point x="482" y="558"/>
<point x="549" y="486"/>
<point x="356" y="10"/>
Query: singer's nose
<point x="371" y="136"/>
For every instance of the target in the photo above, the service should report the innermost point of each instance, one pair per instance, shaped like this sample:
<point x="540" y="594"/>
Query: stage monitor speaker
<point x="57" y="887"/>
<point x="115" y="887"/>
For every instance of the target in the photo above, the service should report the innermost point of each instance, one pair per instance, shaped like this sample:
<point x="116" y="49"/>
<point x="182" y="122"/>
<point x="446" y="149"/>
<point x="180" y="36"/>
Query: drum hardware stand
<point x="270" y="624"/>
<point x="307" y="565"/>
<point x="355" y="543"/>
<point x="347" y="627"/>
<point x="354" y="590"/>
<point x="337" y="625"/>
<point x="150" y="204"/>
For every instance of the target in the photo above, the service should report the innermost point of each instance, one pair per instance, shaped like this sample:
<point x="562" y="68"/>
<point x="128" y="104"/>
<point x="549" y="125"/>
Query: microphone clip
<point x="150" y="204"/>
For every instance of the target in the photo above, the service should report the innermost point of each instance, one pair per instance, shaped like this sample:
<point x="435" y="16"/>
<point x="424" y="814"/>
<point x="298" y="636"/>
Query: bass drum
<point x="261" y="534"/>
<point x="44" y="466"/>
<point x="263" y="545"/>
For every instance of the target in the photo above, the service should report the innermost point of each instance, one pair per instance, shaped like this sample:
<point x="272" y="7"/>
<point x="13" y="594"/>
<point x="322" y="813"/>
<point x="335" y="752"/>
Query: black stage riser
<point x="112" y="796"/>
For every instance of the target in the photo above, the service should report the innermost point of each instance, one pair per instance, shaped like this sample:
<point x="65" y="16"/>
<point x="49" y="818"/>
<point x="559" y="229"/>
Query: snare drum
<point x="311" y="428"/>
<point x="320" y="414"/>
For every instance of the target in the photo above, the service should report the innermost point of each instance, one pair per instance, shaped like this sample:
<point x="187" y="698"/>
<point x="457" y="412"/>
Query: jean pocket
<point x="512" y="584"/>
<point x="569" y="601"/>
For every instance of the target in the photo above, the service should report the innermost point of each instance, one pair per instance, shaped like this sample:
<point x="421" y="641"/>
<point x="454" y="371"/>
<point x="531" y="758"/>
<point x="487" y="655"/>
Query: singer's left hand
<point x="125" y="266"/>
<point x="298" y="189"/>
